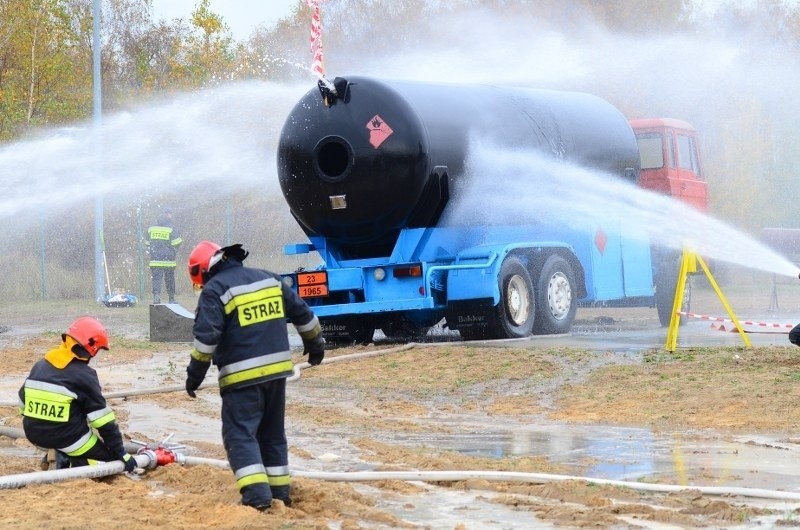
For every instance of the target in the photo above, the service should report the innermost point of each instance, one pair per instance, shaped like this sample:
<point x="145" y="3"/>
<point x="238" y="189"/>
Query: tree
<point x="40" y="77"/>
<point x="210" y="52"/>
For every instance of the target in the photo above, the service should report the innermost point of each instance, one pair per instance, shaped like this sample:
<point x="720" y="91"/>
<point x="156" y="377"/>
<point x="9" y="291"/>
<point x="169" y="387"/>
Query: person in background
<point x="240" y="326"/>
<point x="163" y="242"/>
<point x="63" y="407"/>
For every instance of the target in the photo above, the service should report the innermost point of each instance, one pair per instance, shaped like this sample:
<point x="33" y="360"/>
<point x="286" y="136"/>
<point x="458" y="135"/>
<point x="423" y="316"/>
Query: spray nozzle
<point x="328" y="91"/>
<point x="333" y="90"/>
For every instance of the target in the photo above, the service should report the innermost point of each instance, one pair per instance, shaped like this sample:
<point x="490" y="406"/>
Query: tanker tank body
<point x="368" y="171"/>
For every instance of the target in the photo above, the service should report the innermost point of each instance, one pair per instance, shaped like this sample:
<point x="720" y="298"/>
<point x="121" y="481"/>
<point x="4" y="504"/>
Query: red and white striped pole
<point x="315" y="40"/>
<point x="327" y="89"/>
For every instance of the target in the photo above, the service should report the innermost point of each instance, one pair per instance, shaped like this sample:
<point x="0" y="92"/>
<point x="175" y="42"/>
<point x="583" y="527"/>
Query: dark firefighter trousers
<point x="253" y="433"/>
<point x="167" y="276"/>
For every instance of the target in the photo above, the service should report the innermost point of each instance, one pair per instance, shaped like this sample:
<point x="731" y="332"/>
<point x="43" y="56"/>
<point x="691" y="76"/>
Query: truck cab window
<point x="650" y="150"/>
<point x="686" y="157"/>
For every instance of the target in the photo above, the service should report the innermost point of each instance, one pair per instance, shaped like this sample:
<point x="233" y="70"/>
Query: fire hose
<point x="149" y="458"/>
<point x="146" y="458"/>
<point x="160" y="456"/>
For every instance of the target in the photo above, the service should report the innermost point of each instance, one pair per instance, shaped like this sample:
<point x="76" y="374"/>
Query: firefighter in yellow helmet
<point x="240" y="326"/>
<point x="63" y="407"/>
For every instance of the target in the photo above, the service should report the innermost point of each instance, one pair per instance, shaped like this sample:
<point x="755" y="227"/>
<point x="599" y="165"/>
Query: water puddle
<point x="628" y="454"/>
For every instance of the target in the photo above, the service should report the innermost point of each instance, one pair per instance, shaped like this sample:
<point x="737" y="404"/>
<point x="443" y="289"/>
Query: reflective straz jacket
<point x="63" y="407"/>
<point x="162" y="243"/>
<point x="240" y="325"/>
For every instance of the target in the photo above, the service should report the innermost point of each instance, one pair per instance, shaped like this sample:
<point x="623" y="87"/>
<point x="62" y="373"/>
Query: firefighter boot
<point x="256" y="496"/>
<point x="62" y="461"/>
<point x="282" y="493"/>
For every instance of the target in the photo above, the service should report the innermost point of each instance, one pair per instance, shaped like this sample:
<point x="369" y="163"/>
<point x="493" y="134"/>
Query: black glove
<point x="315" y="348"/>
<point x="130" y="463"/>
<point x="192" y="384"/>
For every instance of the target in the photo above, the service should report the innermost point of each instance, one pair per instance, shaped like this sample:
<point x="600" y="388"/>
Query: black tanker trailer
<point x="369" y="168"/>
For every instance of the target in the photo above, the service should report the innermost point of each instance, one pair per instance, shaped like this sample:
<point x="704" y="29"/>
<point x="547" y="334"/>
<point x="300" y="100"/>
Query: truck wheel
<point x="555" y="307"/>
<point x="516" y="311"/>
<point x="666" y="283"/>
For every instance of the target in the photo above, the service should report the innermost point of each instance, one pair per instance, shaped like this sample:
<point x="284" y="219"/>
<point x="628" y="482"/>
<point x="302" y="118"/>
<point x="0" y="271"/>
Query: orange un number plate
<point x="312" y="284"/>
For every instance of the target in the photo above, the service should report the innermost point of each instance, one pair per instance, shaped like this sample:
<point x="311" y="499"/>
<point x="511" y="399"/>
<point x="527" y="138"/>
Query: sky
<point x="240" y="15"/>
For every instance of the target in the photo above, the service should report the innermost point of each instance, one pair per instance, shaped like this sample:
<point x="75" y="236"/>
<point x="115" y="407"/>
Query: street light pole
<point x="98" y="151"/>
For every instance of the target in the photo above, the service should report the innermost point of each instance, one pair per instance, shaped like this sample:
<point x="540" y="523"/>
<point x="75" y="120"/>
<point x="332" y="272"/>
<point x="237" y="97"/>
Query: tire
<point x="666" y="283"/>
<point x="515" y="313"/>
<point x="555" y="305"/>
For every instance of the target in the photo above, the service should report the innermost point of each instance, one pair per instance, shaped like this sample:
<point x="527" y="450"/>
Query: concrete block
<point x="170" y="323"/>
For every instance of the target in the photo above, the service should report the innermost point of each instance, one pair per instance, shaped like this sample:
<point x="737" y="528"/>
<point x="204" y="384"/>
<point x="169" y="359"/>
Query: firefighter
<point x="163" y="242"/>
<point x="240" y="326"/>
<point x="63" y="407"/>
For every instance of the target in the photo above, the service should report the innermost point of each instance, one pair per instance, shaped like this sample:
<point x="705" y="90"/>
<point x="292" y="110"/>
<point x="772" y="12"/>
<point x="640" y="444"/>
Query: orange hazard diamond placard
<point x="379" y="131"/>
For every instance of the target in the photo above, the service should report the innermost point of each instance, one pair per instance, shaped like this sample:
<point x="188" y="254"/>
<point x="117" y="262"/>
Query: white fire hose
<point x="148" y="460"/>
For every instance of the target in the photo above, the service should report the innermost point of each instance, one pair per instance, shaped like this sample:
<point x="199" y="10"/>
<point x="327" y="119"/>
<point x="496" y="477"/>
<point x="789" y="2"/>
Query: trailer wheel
<point x="516" y="310"/>
<point x="555" y="306"/>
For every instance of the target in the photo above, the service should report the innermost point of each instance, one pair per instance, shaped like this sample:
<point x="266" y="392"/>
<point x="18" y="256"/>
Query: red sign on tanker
<point x="379" y="131"/>
<point x="600" y="240"/>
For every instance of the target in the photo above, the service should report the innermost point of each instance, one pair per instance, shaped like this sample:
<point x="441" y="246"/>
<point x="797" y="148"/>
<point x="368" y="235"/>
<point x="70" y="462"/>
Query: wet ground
<point x="344" y="418"/>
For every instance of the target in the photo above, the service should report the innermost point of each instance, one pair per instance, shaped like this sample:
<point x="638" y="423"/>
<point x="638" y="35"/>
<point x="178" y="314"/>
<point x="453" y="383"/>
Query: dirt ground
<point x="368" y="413"/>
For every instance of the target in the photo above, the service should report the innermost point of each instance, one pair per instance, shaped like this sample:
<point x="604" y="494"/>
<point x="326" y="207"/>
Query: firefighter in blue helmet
<point x="63" y="407"/>
<point x="162" y="243"/>
<point x="240" y="326"/>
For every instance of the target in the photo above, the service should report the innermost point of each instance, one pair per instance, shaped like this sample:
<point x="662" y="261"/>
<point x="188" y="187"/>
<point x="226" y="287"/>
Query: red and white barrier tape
<point x="750" y="323"/>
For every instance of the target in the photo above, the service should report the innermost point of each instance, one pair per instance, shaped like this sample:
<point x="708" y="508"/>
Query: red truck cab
<point x="670" y="158"/>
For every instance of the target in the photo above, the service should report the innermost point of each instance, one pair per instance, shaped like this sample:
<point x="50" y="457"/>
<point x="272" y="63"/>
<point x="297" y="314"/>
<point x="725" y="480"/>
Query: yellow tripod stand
<point x="689" y="264"/>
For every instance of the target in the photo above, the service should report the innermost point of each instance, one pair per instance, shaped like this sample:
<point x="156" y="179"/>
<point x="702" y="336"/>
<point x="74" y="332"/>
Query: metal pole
<point x="139" y="253"/>
<point x="98" y="150"/>
<point x="42" y="259"/>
